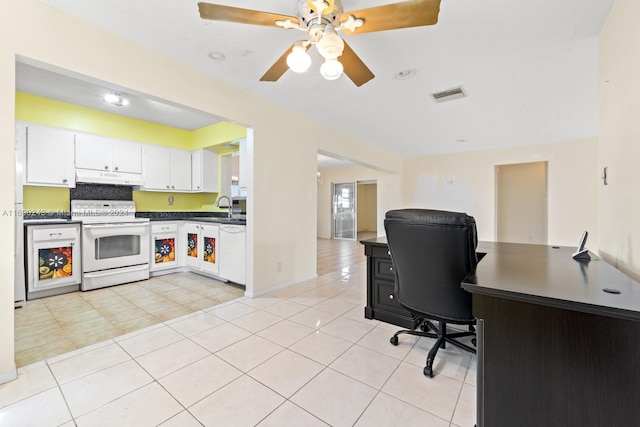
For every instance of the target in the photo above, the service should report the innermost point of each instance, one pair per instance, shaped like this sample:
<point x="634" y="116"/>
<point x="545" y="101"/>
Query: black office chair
<point x="432" y="252"/>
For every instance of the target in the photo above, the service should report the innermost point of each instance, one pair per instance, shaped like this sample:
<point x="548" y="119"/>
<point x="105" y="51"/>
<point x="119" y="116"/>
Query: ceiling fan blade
<point x="218" y="12"/>
<point x="414" y="13"/>
<point x="354" y="68"/>
<point x="279" y="67"/>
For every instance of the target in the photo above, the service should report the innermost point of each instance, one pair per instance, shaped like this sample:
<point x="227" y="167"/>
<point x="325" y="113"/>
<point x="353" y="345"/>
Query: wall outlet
<point x="170" y="200"/>
<point x="279" y="267"/>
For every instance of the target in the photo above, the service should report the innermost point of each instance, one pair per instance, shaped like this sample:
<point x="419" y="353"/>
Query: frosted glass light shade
<point x="298" y="60"/>
<point x="331" y="69"/>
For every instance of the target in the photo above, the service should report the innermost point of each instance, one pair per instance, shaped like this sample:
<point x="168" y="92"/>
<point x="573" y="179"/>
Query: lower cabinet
<point x="164" y="245"/>
<point x="201" y="248"/>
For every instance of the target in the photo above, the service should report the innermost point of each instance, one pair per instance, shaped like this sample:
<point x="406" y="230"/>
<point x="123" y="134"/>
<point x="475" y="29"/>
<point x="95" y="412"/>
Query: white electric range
<point x="115" y="244"/>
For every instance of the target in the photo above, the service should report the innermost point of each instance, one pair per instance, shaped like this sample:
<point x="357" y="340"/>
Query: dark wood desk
<point x="554" y="349"/>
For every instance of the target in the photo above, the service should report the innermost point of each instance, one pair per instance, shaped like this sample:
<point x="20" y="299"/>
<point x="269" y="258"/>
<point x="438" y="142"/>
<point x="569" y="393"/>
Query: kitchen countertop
<point x="217" y="220"/>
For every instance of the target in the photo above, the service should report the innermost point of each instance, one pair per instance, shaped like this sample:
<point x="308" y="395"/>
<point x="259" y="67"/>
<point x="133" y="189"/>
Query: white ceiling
<point x="528" y="66"/>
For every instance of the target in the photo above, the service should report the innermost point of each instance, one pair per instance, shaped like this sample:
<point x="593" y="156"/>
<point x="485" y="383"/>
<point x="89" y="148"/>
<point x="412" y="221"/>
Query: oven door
<point x="114" y="245"/>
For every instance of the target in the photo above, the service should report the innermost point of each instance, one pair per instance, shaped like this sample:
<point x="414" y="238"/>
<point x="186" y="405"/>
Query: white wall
<point x="466" y="182"/>
<point x="32" y="29"/>
<point x="619" y="205"/>
<point x="388" y="195"/>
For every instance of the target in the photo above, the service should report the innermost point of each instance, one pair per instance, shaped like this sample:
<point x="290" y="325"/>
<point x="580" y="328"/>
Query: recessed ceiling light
<point x="115" y="99"/>
<point x="405" y="74"/>
<point x="217" y="56"/>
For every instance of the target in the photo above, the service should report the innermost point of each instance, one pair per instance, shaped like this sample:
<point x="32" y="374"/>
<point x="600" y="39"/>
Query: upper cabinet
<point x="166" y="169"/>
<point x="204" y="171"/>
<point x="108" y="154"/>
<point x="49" y="156"/>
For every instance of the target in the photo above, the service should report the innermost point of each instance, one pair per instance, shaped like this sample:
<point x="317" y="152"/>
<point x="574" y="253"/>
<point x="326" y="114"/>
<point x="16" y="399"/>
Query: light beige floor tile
<point x="78" y="351"/>
<point x="262" y="302"/>
<point x="71" y="318"/>
<point x="472" y="372"/>
<point x="386" y="411"/>
<point x="335" y="306"/>
<point x="172" y="313"/>
<point x="451" y="361"/>
<point x="31" y="380"/>
<point x="37" y="354"/>
<point x="357" y="313"/>
<point x="285" y="308"/>
<point x="152" y="340"/>
<point x="256" y="321"/>
<point x="308" y="298"/>
<point x="92" y="391"/>
<point x="32" y="312"/>
<point x="286" y="372"/>
<point x="219" y="337"/>
<point x="196" y="323"/>
<point x="249" y="353"/>
<point x="45" y="409"/>
<point x="334" y="398"/>
<point x="231" y="311"/>
<point x="321" y="347"/>
<point x="290" y="415"/>
<point x="137" y="324"/>
<point x="46" y="326"/>
<point x="93" y="336"/>
<point x="199" y="379"/>
<point x="313" y="318"/>
<point x="201" y="304"/>
<point x="159" y="306"/>
<point x="36" y="340"/>
<point x="465" y="412"/>
<point x="183" y="419"/>
<point x="378" y="340"/>
<point x="285" y="333"/>
<point x="85" y="363"/>
<point x="172" y="357"/>
<point x="347" y="329"/>
<point x="437" y="395"/>
<point x="243" y="402"/>
<point x="365" y="365"/>
<point x="186" y="297"/>
<point x="147" y="406"/>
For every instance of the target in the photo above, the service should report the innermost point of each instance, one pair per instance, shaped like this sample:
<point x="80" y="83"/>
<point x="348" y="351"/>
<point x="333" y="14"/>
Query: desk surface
<point x="549" y="276"/>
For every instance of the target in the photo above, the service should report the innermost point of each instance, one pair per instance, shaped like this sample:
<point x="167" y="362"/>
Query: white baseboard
<point x="9" y="376"/>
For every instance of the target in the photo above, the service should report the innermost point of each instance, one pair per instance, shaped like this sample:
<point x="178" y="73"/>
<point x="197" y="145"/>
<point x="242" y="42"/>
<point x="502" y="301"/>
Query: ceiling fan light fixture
<point x="331" y="44"/>
<point x="298" y="60"/>
<point x="331" y="69"/>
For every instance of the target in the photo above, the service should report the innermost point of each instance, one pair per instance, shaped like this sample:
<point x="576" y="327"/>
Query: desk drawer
<point x="384" y="269"/>
<point x="380" y="252"/>
<point x="385" y="297"/>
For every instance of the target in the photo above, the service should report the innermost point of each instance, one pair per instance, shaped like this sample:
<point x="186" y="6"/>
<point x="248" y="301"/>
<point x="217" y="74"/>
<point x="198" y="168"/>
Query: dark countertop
<point x="49" y="221"/>
<point x="215" y="217"/>
<point x="548" y="276"/>
<point x="377" y="241"/>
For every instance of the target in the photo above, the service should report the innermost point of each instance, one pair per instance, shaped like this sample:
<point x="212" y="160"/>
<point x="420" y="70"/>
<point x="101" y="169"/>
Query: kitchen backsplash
<point x="100" y="192"/>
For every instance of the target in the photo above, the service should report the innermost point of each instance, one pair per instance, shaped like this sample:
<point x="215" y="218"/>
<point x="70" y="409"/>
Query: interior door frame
<point x="355" y="207"/>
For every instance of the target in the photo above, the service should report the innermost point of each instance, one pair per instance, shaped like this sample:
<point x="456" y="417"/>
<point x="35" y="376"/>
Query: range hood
<point x="102" y="177"/>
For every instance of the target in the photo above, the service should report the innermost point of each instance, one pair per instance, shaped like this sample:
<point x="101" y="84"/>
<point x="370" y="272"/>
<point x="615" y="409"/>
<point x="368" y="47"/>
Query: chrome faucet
<point x="230" y="204"/>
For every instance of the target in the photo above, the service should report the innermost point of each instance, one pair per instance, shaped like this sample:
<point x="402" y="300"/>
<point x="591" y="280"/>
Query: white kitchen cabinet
<point x="49" y="156"/>
<point x="204" y="171"/>
<point x="107" y="154"/>
<point x="243" y="173"/>
<point x="164" y="245"/>
<point x="201" y="249"/>
<point x="166" y="169"/>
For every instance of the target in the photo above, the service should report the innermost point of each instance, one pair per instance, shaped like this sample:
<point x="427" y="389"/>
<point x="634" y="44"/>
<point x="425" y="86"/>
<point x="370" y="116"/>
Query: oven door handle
<point x="116" y="225"/>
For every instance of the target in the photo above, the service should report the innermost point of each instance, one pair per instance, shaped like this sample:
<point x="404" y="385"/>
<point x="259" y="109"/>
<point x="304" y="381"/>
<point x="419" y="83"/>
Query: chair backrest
<point x="432" y="252"/>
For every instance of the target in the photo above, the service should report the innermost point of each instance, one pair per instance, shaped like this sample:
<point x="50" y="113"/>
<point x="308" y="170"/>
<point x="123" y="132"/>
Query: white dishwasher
<point x="233" y="253"/>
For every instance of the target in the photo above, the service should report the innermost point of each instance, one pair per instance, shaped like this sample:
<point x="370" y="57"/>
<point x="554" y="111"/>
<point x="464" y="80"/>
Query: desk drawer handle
<point x="390" y="268"/>
<point x="388" y="252"/>
<point x="391" y="296"/>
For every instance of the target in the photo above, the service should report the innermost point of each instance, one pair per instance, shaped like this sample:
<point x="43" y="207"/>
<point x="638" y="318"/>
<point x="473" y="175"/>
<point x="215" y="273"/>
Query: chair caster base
<point x="394" y="340"/>
<point x="428" y="371"/>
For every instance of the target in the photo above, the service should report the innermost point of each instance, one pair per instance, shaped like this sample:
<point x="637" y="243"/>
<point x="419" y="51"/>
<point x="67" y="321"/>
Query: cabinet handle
<point x="65" y="180"/>
<point x="173" y="186"/>
<point x="168" y="186"/>
<point x="391" y="296"/>
<point x="106" y="168"/>
<point x="115" y="169"/>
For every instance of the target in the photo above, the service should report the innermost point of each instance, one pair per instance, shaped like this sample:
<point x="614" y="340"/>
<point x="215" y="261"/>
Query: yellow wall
<point x="35" y="109"/>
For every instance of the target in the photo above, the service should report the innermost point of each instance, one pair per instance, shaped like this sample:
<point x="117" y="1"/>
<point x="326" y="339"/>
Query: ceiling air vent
<point x="449" y="94"/>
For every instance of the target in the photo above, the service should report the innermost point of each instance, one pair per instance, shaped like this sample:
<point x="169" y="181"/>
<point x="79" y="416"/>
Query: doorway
<point x="522" y="203"/>
<point x="366" y="209"/>
<point x="344" y="210"/>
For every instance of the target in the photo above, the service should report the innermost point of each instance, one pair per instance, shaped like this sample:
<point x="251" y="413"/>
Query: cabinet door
<point x="49" y="157"/>
<point x="93" y="152"/>
<point x="243" y="173"/>
<point x="210" y="246"/>
<point x="204" y="171"/>
<point x="157" y="167"/>
<point x="193" y="245"/>
<point x="127" y="156"/>
<point x="180" y="170"/>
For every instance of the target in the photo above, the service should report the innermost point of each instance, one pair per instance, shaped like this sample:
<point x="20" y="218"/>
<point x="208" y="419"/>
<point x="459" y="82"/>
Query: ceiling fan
<point x="321" y="20"/>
